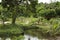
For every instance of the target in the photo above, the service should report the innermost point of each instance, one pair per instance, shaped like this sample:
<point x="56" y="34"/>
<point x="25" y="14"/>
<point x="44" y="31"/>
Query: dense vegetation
<point x="29" y="16"/>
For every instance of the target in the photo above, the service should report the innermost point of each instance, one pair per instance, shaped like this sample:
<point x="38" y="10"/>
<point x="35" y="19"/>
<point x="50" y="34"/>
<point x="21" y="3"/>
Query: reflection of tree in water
<point x="21" y="37"/>
<point x="28" y="38"/>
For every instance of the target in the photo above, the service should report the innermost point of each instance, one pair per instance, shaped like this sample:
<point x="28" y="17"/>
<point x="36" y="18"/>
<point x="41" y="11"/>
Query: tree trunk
<point x="3" y="22"/>
<point x="14" y="14"/>
<point x="13" y="18"/>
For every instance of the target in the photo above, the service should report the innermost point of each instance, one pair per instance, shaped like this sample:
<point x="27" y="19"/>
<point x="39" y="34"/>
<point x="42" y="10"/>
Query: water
<point x="8" y="39"/>
<point x="26" y="37"/>
<point x="5" y="38"/>
<point x="30" y="37"/>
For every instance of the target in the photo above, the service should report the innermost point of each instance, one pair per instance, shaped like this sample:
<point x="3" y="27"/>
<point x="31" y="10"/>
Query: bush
<point x="48" y="13"/>
<point x="58" y="11"/>
<point x="55" y="26"/>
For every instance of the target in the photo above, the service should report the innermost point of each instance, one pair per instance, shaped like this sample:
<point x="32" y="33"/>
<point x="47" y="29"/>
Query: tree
<point x="12" y="5"/>
<point x="33" y="4"/>
<point x="3" y="15"/>
<point x="58" y="11"/>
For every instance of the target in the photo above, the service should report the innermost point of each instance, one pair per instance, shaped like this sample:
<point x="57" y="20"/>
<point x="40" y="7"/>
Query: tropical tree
<point x="3" y="14"/>
<point x="13" y="6"/>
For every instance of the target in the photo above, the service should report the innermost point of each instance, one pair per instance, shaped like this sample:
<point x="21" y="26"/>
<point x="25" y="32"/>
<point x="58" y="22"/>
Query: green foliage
<point x="48" y="13"/>
<point x="10" y="29"/>
<point x="18" y="38"/>
<point x="38" y="12"/>
<point x="58" y="11"/>
<point x="45" y="27"/>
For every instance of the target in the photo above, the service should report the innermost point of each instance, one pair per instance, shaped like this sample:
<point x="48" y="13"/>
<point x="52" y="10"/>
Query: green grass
<point x="51" y="27"/>
<point x="25" y="21"/>
<point x="45" y="27"/>
<point x="10" y="29"/>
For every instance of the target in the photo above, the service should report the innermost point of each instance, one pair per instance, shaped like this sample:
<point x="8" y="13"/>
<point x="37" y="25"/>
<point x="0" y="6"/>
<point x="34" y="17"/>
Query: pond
<point x="26" y="37"/>
<point x="29" y="37"/>
<point x="32" y="34"/>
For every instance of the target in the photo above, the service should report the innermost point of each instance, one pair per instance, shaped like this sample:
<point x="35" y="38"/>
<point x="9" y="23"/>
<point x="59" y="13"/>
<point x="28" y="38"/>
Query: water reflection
<point x="25" y="37"/>
<point x="8" y="38"/>
<point x="5" y="38"/>
<point x="12" y="38"/>
<point x="28" y="37"/>
<point x="0" y="39"/>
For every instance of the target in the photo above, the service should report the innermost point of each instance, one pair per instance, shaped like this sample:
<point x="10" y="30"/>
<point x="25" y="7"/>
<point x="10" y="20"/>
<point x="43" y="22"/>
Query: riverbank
<point x="38" y="27"/>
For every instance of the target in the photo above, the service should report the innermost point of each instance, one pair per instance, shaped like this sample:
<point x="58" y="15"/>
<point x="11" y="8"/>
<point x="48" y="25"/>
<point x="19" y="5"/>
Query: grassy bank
<point x="34" y="26"/>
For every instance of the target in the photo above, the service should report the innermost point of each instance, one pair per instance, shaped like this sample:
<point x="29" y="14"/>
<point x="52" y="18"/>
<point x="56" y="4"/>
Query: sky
<point x="43" y="1"/>
<point x="47" y="1"/>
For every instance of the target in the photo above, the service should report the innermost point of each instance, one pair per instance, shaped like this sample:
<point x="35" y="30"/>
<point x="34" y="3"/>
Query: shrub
<point x="58" y="11"/>
<point x="48" y="13"/>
